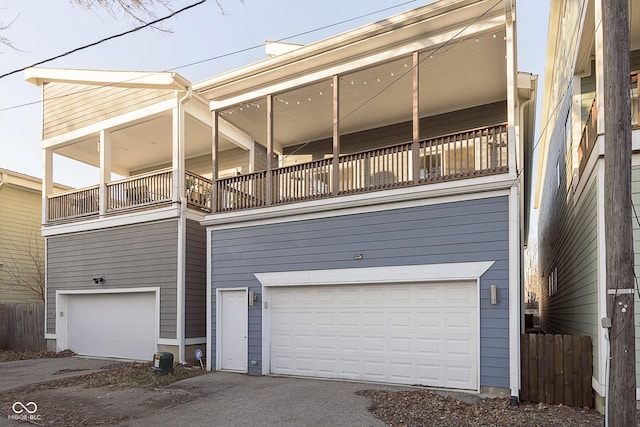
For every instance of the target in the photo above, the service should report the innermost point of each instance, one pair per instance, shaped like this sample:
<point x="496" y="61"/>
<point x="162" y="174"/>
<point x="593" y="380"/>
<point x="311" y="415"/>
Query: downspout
<point x="182" y="225"/>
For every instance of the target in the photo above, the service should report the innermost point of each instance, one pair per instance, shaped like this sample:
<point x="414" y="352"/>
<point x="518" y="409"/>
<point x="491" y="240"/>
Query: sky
<point x="43" y="29"/>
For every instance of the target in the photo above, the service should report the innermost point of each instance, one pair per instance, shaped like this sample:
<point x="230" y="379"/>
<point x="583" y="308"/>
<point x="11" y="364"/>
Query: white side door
<point x="232" y="330"/>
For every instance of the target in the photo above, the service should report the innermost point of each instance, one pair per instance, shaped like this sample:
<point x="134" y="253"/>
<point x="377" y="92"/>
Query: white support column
<point x="105" y="169"/>
<point x="512" y="89"/>
<point x="599" y="41"/>
<point x="177" y="161"/>
<point x="47" y="181"/>
<point x="178" y="165"/>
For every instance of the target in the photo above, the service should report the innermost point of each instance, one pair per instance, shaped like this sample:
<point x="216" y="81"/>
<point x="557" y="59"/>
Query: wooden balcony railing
<point x="463" y="155"/>
<point x="140" y="190"/>
<point x="136" y="192"/>
<point x="588" y="139"/>
<point x="198" y="191"/>
<point x="74" y="204"/>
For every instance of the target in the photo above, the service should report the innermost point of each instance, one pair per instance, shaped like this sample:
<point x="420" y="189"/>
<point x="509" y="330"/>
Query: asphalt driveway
<point x="217" y="398"/>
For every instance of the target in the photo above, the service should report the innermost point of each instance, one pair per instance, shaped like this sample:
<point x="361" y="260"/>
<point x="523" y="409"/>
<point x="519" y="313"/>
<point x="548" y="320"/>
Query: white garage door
<point x="401" y="333"/>
<point x="112" y="325"/>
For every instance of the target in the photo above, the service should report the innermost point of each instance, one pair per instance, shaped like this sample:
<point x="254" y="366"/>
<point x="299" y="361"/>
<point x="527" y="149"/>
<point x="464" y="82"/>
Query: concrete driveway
<point x="230" y="399"/>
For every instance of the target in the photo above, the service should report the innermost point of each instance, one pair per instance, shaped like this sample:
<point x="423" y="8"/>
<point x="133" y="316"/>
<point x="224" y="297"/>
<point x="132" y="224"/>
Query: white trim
<point x="514" y="292"/>
<point x="131" y="79"/>
<point x="421" y="195"/>
<point x="69" y="138"/>
<point x="169" y="212"/>
<point x="209" y="323"/>
<point x="601" y="286"/>
<point x="369" y="275"/>
<point x="597" y="387"/>
<point x="62" y="325"/>
<point x="424" y="273"/>
<point x="195" y="341"/>
<point x="180" y="291"/>
<point x="219" y="323"/>
<point x="50" y="336"/>
<point x="169" y="341"/>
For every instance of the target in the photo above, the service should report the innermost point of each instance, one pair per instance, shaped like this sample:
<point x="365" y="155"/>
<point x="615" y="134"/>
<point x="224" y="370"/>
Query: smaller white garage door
<point x="112" y="325"/>
<point x="400" y="333"/>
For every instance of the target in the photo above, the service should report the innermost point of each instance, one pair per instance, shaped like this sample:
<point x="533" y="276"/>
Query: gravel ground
<point x="425" y="408"/>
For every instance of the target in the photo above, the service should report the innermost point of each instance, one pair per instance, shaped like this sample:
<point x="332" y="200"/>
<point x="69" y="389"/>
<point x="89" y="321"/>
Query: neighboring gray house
<point x="378" y="233"/>
<point x="570" y="190"/>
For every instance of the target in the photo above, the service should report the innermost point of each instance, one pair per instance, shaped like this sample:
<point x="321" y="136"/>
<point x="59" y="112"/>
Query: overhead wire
<point x="224" y="55"/>
<point x="115" y="36"/>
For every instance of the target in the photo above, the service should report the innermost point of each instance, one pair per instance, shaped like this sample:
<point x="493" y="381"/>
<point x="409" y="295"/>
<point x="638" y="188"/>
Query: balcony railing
<point x="588" y="139"/>
<point x="74" y="204"/>
<point x="467" y="154"/>
<point x="140" y="190"/>
<point x="137" y="192"/>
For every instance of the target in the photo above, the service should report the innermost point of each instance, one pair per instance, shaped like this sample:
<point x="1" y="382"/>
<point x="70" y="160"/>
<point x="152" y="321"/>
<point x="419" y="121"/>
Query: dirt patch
<point x="118" y="392"/>
<point x="421" y="407"/>
<point x="10" y="355"/>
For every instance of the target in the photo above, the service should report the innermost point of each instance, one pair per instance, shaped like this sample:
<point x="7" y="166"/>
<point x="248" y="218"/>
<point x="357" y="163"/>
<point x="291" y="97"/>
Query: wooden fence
<point x="556" y="369"/>
<point x="22" y="327"/>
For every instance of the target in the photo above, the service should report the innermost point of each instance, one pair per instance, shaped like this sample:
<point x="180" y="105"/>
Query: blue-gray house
<point x="374" y="231"/>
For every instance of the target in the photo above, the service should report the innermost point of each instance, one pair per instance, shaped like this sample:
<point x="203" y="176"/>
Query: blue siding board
<point x="467" y="231"/>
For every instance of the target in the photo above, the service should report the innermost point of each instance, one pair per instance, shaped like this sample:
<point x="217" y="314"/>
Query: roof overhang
<point x="437" y="22"/>
<point x="130" y="79"/>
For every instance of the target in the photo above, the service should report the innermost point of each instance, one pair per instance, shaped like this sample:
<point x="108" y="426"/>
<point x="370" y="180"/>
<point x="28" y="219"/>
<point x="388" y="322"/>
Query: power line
<point x="192" y="63"/>
<point x="115" y="36"/>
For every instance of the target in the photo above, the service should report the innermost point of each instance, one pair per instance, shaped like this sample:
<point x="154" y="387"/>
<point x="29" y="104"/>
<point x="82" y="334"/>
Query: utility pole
<point x="621" y="410"/>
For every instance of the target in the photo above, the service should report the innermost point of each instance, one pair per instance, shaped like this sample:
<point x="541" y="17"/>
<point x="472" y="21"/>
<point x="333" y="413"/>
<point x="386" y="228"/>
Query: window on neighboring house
<point x="553" y="281"/>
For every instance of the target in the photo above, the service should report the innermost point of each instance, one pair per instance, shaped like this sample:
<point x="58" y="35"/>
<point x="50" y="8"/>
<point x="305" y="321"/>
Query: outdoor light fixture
<point x="98" y="280"/>
<point x="494" y="294"/>
<point x="252" y="298"/>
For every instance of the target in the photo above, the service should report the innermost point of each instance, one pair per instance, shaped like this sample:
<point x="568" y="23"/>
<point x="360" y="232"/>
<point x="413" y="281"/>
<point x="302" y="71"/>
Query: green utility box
<point x="163" y="363"/>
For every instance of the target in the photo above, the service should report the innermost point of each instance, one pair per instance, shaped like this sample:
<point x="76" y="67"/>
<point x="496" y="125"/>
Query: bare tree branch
<point x="24" y="263"/>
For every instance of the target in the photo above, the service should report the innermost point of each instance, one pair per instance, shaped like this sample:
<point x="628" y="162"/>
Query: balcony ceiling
<point x="465" y="73"/>
<point x="145" y="144"/>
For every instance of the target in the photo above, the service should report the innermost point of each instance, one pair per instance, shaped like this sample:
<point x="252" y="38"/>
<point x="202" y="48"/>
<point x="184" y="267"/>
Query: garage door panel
<point x="112" y="325"/>
<point x="407" y="333"/>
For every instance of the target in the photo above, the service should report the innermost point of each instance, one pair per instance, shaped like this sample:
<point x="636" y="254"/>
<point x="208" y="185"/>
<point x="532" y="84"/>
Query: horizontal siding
<point x="21" y="245"/>
<point x="470" y="118"/>
<point x="568" y="241"/>
<point x="196" y="281"/>
<point x="127" y="257"/>
<point x="467" y="231"/>
<point x="68" y="106"/>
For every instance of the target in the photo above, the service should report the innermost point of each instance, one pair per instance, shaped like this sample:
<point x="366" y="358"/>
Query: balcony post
<point x="335" y="178"/>
<point x="214" y="162"/>
<point x="177" y="163"/>
<point x="269" y="178"/>
<point x="415" y="149"/>
<point x="105" y="170"/>
<point x="47" y="182"/>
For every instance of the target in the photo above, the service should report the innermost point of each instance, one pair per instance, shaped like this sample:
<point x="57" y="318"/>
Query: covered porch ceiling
<point x="144" y="144"/>
<point x="465" y="73"/>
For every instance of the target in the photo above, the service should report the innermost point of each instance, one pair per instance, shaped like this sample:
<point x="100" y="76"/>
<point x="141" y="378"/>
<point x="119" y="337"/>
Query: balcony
<point x="468" y="154"/>
<point x="144" y="191"/>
